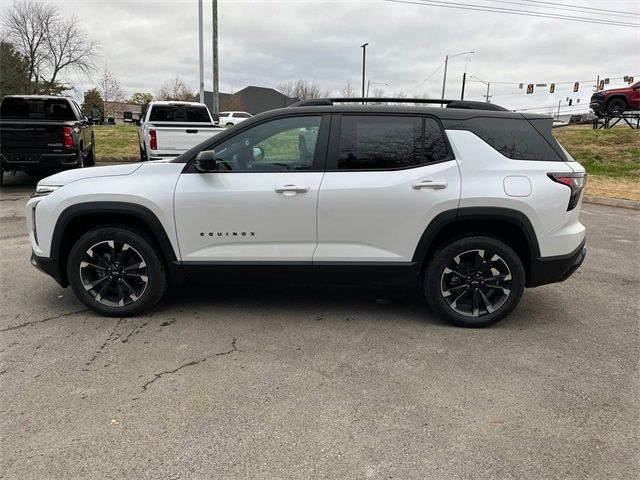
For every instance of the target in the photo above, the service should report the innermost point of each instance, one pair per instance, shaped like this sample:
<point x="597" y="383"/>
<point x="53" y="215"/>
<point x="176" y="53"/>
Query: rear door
<point x="387" y="177"/>
<point x="260" y="206"/>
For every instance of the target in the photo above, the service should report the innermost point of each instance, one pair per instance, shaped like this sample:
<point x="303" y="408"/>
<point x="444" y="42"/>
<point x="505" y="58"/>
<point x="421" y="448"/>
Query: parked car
<point x="171" y="128"/>
<point x="229" y="119"/>
<point x="580" y="119"/>
<point x="467" y="204"/>
<point x="616" y="101"/>
<point x="42" y="135"/>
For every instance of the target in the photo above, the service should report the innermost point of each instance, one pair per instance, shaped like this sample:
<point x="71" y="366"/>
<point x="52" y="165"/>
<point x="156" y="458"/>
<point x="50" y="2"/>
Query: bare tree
<point x="175" y="89"/>
<point x="69" y="48"/>
<point x="349" y="90"/>
<point x="111" y="91"/>
<point x="27" y="24"/>
<point x="50" y="42"/>
<point x="302" y="90"/>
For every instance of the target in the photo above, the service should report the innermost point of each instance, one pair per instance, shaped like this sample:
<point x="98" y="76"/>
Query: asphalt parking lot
<point x="279" y="382"/>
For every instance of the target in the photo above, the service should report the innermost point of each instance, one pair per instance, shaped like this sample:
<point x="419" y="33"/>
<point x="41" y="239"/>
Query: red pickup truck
<point x="616" y="101"/>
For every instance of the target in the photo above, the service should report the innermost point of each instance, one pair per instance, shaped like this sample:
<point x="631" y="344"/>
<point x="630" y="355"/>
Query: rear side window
<point x="512" y="137"/>
<point x="179" y="113"/>
<point x="377" y="142"/>
<point x="36" y="109"/>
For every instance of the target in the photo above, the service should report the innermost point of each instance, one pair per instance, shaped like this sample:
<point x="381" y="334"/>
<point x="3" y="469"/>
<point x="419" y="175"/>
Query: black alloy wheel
<point x="116" y="271"/>
<point x="474" y="281"/>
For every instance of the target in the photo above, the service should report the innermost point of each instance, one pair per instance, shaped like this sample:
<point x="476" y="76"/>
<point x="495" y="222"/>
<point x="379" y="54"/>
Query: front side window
<point x="389" y="142"/>
<point x="275" y="146"/>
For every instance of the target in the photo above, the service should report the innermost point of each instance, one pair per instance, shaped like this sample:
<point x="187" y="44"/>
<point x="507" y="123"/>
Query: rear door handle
<point x="291" y="189"/>
<point x="429" y="184"/>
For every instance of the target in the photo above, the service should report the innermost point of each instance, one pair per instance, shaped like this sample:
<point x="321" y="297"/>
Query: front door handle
<point x="429" y="184"/>
<point x="291" y="189"/>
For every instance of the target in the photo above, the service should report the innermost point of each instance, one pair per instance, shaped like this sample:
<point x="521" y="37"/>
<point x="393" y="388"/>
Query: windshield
<point x="36" y="109"/>
<point x="179" y="113"/>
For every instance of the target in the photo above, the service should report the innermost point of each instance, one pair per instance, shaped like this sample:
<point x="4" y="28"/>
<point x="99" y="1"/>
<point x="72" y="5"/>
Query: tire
<point x="616" y="106"/>
<point x="228" y="125"/>
<point x="478" y="305"/>
<point x="137" y="278"/>
<point x="90" y="159"/>
<point x="80" y="161"/>
<point x="143" y="155"/>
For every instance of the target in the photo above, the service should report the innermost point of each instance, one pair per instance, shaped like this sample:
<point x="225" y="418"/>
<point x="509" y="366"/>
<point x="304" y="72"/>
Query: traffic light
<point x="530" y="88"/>
<point x="570" y="101"/>
<point x="552" y="88"/>
<point x="601" y="86"/>
<point x="630" y="80"/>
<point x="576" y="86"/>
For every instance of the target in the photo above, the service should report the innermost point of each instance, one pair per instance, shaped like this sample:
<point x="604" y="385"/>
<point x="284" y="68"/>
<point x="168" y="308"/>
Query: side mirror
<point x="206" y="161"/>
<point x="257" y="153"/>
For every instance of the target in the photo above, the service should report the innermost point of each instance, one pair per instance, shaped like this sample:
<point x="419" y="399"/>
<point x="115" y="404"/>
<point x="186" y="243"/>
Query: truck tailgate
<point x="178" y="139"/>
<point x="31" y="136"/>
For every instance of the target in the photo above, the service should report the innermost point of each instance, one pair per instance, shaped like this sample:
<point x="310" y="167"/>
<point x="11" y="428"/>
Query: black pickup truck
<point x="42" y="135"/>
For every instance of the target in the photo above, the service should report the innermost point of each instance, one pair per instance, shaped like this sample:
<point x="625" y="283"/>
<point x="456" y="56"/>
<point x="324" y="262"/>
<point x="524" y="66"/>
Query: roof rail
<point x="323" y="102"/>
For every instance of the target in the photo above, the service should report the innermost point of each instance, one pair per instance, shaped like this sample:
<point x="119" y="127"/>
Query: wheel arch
<point x="508" y="225"/>
<point x="76" y="220"/>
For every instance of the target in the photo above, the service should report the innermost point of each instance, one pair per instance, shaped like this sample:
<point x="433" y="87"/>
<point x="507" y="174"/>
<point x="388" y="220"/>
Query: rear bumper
<point x="50" y="266"/>
<point x="556" y="269"/>
<point x="38" y="161"/>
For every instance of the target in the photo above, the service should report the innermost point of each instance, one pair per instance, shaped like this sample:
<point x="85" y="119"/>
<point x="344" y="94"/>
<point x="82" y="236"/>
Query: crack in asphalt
<point x="191" y="364"/>
<point x="33" y="322"/>
<point x="110" y="338"/>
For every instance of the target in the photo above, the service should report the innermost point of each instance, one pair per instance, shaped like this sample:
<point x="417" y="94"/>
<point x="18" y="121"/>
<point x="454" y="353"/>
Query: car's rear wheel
<point x="616" y="106"/>
<point x="90" y="159"/>
<point x="116" y="271"/>
<point x="474" y="281"/>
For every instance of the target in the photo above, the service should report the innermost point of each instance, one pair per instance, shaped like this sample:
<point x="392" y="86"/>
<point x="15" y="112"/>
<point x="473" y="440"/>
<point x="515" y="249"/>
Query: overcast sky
<point x="144" y="43"/>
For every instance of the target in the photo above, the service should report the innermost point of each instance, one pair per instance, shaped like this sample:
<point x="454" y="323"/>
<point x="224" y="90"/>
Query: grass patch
<point x="612" y="153"/>
<point x="116" y="142"/>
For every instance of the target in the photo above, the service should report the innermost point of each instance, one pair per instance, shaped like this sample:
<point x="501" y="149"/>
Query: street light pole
<point x="364" y="55"/>
<point x="488" y="84"/>
<point x="446" y="64"/>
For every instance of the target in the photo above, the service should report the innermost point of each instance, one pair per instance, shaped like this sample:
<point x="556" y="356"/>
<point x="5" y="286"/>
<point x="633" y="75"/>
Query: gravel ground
<point x="280" y="382"/>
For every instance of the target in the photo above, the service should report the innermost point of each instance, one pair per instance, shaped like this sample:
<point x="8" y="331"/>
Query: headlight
<point x="42" y="190"/>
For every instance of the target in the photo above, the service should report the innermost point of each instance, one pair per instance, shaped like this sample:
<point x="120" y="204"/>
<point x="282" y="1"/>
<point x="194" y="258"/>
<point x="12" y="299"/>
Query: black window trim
<point x="319" y="158"/>
<point x="334" y="141"/>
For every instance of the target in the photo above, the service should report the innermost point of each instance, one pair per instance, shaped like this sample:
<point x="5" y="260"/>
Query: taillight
<point x="575" y="181"/>
<point x="68" y="139"/>
<point x="153" y="141"/>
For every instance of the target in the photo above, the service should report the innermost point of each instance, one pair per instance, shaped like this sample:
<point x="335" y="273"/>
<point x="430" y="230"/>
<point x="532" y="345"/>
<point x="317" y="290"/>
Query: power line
<point x="511" y="11"/>
<point x="584" y="7"/>
<point x="569" y="8"/>
<point x="427" y="79"/>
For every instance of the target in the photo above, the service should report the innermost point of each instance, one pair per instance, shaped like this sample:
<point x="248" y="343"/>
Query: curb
<point x="612" y="202"/>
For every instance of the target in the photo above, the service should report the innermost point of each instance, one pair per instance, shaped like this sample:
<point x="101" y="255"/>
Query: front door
<point x="260" y="206"/>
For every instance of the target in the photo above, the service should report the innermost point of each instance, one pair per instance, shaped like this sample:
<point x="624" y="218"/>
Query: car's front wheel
<point x="617" y="106"/>
<point x="474" y="281"/>
<point x="116" y="271"/>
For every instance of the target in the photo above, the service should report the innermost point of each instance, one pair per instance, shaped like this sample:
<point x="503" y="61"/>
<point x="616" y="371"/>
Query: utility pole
<point x="558" y="116"/>
<point x="464" y="80"/>
<point x="201" y="50"/>
<point x="487" y="95"/>
<point x="444" y="80"/>
<point x="216" y="93"/>
<point x="364" y="56"/>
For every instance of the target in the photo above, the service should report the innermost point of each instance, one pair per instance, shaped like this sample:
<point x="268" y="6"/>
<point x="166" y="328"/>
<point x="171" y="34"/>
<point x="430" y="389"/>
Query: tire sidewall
<point x="440" y="259"/>
<point x="611" y="106"/>
<point x="155" y="269"/>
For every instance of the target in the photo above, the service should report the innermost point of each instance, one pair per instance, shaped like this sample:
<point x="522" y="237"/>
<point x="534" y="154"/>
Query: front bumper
<point x="597" y="104"/>
<point x="50" y="266"/>
<point x="556" y="269"/>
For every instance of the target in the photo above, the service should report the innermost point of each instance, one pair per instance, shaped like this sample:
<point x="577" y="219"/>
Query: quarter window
<point x="389" y="142"/>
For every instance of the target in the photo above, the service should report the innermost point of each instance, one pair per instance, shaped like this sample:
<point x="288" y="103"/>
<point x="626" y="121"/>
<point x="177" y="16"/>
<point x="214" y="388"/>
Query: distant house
<point x="250" y="99"/>
<point x="121" y="112"/>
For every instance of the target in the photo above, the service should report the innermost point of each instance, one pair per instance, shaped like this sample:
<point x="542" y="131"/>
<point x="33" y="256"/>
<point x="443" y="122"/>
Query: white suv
<point x="229" y="119"/>
<point x="470" y="205"/>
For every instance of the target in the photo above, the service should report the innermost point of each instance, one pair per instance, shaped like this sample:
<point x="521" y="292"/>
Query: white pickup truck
<point x="171" y="128"/>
